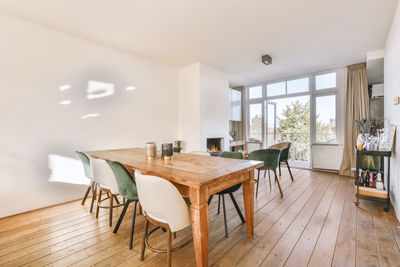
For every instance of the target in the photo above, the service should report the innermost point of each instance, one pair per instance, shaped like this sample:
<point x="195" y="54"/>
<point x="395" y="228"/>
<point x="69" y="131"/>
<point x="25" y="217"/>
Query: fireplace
<point x="215" y="146"/>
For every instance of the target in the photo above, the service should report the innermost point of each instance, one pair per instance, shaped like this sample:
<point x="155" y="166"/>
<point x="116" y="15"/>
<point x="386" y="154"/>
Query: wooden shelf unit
<point x="372" y="192"/>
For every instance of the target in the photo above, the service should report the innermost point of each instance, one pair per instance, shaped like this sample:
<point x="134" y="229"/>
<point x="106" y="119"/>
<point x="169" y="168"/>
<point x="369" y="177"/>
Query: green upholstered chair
<point x="89" y="174"/>
<point x="271" y="162"/>
<point x="177" y="149"/>
<point x="284" y="158"/>
<point x="229" y="191"/>
<point x="127" y="189"/>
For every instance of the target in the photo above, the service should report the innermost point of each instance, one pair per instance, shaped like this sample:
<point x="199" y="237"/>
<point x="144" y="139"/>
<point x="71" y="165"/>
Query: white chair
<point x="105" y="179"/>
<point x="164" y="207"/>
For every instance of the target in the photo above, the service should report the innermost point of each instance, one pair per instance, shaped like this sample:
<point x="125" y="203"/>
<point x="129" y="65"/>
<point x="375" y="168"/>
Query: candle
<point x="151" y="150"/>
<point x="167" y="150"/>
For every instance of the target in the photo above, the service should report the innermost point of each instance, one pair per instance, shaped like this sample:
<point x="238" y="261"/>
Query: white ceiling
<point x="302" y="36"/>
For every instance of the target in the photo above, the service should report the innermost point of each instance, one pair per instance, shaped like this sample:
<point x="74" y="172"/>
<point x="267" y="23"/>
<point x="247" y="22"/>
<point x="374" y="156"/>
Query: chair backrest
<point x="269" y="156"/>
<point x="284" y="147"/>
<point x="103" y="175"/>
<point x="200" y="153"/>
<point x="126" y="184"/>
<point x="86" y="164"/>
<point x="161" y="201"/>
<point x="232" y="155"/>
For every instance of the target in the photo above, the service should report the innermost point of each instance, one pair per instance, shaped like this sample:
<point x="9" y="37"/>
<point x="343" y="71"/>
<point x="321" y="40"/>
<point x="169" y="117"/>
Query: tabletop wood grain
<point x="186" y="169"/>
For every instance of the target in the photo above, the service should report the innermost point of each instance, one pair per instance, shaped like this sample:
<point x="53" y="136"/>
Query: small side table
<point x="369" y="191"/>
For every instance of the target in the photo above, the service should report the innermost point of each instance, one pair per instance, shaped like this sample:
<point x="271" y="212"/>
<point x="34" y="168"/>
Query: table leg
<point x="248" y="197"/>
<point x="199" y="216"/>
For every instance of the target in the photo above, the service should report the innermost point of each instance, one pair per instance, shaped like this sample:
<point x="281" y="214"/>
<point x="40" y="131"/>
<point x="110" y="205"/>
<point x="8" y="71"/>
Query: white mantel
<point x="203" y="106"/>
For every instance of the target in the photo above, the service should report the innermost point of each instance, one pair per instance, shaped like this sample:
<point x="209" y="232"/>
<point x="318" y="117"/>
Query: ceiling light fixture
<point x="266" y="59"/>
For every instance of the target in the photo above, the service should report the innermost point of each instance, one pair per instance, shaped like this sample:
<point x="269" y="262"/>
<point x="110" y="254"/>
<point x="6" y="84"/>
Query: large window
<point x="300" y="110"/>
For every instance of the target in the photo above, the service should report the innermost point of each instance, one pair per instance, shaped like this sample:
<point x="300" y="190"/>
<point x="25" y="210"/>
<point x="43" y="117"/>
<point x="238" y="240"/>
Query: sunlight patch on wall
<point x="65" y="87"/>
<point x="97" y="90"/>
<point x="130" y="88"/>
<point x="66" y="170"/>
<point x="90" y="115"/>
<point x="65" y="102"/>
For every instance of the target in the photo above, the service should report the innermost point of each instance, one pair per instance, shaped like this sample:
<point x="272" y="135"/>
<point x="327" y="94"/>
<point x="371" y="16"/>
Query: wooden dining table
<point x="197" y="177"/>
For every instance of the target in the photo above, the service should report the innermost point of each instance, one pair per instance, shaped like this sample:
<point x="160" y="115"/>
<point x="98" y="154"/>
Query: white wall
<point x="34" y="62"/>
<point x="189" y="107"/>
<point x="203" y="106"/>
<point x="214" y="106"/>
<point x="392" y="112"/>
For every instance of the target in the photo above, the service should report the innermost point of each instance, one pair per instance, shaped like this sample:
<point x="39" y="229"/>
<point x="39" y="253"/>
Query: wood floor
<point x="316" y="223"/>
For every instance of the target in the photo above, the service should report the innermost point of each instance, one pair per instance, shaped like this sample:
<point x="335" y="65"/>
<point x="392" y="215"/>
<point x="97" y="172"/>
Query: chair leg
<point x="133" y="226"/>
<point x="169" y="247"/>
<point x="258" y="182"/>
<point x="121" y="217"/>
<point x="269" y="178"/>
<point x="276" y="179"/>
<point x="290" y="172"/>
<point x="219" y="202"/>
<point x="209" y="199"/>
<point x="237" y="207"/>
<point x="111" y="209"/>
<point x="223" y="207"/>
<point x="265" y="172"/>
<point x="146" y="227"/>
<point x="116" y="199"/>
<point x="87" y="193"/>
<point x="280" y="174"/>
<point x="94" y="193"/>
<point x="98" y="203"/>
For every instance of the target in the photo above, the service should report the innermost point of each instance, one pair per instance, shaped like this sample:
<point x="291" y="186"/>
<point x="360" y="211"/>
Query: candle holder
<point x="151" y="150"/>
<point x="167" y="150"/>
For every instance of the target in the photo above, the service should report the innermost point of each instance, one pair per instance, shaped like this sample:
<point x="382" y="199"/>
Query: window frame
<point x="312" y="92"/>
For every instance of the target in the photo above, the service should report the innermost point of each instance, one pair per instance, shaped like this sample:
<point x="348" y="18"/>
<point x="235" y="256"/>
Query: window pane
<point x="325" y="81"/>
<point x="297" y="86"/>
<point x="255" y="121"/>
<point x="325" y="113"/>
<point x="276" y="89"/>
<point x="255" y="92"/>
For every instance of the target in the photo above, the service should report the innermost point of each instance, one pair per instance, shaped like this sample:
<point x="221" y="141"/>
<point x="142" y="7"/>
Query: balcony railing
<point x="300" y="149"/>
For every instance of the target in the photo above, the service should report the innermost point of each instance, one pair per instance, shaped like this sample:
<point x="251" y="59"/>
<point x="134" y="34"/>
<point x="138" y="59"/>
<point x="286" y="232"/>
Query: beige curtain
<point x="357" y="107"/>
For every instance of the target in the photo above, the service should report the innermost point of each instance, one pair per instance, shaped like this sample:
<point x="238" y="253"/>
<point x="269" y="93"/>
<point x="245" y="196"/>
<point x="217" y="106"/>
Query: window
<point x="274" y="89"/>
<point x="325" y="119"/>
<point x="325" y="81"/>
<point x="255" y="121"/>
<point x="297" y="86"/>
<point x="255" y="92"/>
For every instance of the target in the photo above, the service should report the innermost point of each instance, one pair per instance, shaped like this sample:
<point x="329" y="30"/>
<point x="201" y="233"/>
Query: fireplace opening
<point x="215" y="146"/>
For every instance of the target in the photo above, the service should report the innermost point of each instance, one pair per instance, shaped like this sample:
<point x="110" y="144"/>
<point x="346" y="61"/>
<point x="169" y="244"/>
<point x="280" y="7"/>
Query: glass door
<point x="271" y="133"/>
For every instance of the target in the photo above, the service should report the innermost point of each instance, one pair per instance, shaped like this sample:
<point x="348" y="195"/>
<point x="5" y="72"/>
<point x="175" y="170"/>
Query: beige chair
<point x="105" y="179"/>
<point x="163" y="206"/>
